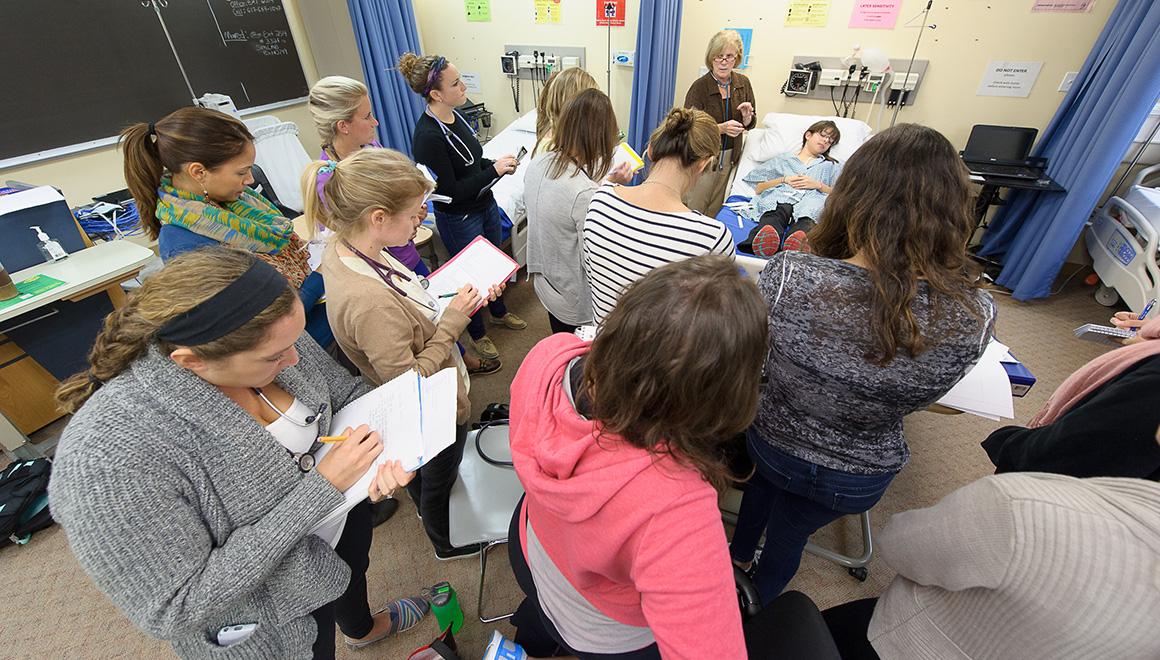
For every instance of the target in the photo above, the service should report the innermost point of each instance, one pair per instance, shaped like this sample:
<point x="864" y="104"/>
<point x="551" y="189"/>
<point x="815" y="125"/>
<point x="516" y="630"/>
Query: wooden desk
<point x="26" y="389"/>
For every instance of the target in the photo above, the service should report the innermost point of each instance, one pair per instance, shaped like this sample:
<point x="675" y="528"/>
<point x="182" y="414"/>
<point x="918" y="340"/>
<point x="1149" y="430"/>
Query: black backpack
<point x="24" y="500"/>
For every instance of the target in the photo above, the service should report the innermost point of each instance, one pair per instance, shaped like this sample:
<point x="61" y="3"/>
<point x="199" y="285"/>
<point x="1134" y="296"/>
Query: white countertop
<point x="103" y="262"/>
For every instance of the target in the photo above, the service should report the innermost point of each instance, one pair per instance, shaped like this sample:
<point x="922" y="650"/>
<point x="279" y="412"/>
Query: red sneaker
<point x="797" y="241"/>
<point x="767" y="242"/>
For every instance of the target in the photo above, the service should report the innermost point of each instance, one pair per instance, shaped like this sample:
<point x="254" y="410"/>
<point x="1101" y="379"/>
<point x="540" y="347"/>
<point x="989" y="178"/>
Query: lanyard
<point x="386" y="273"/>
<point x="468" y="159"/>
<point x="726" y="99"/>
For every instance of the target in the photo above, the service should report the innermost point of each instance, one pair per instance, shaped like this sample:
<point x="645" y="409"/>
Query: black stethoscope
<point x="386" y="273"/>
<point x="305" y="460"/>
<point x="469" y="159"/>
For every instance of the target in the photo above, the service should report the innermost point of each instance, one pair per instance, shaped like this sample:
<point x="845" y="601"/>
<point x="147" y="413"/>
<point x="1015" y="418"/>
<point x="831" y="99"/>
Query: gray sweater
<point x="556" y="209"/>
<point x="824" y="402"/>
<point x="1020" y="566"/>
<point x="190" y="516"/>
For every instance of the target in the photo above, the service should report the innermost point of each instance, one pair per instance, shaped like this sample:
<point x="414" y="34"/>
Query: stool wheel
<point x="860" y="573"/>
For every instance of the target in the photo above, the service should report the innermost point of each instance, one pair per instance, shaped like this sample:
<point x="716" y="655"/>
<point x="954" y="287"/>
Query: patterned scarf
<point x="250" y="223"/>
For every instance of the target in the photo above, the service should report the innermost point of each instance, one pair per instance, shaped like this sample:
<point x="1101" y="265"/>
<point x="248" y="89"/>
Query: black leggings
<point x="559" y="326"/>
<point x="430" y="490"/>
<point x="782" y="220"/>
<point x="534" y="630"/>
<point x="848" y="624"/>
<point x="350" y="610"/>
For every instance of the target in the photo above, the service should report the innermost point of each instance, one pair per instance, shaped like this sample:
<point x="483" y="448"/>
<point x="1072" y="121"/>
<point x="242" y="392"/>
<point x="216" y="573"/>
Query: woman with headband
<point x="445" y="144"/>
<point x="187" y="480"/>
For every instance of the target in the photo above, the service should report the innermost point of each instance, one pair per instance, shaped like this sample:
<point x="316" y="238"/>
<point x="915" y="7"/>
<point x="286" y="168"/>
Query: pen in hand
<point x="331" y="439"/>
<point x="448" y="295"/>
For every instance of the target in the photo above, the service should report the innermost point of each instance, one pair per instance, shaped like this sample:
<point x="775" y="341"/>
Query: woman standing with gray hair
<point x="728" y="97"/>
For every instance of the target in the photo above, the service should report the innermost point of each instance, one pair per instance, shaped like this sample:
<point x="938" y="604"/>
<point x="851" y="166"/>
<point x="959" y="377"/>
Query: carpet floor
<point x="50" y="609"/>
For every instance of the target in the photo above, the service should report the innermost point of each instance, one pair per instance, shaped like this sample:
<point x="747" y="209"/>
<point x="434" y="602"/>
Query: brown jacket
<point x="705" y="94"/>
<point x="383" y="333"/>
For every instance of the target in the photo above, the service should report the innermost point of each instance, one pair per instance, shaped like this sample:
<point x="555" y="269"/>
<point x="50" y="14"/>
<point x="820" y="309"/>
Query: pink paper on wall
<point x="879" y="14"/>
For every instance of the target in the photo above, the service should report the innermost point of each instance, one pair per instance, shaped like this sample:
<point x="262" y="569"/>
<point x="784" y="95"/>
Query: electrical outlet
<point x="1068" y="79"/>
<point x="897" y="81"/>
<point x="527" y="62"/>
<point x="832" y="77"/>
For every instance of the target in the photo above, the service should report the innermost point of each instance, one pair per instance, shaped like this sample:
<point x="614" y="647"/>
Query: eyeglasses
<point x="830" y="139"/>
<point x="725" y="58"/>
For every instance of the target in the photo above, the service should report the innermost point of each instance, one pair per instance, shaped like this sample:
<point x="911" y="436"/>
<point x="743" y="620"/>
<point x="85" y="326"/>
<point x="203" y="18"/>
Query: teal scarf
<point x="250" y="223"/>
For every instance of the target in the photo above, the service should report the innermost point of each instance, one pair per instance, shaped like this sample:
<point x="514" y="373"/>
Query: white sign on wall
<point x="471" y="80"/>
<point x="1009" y="78"/>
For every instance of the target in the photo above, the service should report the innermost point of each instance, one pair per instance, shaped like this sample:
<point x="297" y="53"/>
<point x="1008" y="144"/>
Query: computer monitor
<point x="999" y="144"/>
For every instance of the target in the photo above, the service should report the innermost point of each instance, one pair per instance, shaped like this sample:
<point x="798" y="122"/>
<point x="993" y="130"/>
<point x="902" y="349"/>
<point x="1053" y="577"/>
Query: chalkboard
<point x="76" y="71"/>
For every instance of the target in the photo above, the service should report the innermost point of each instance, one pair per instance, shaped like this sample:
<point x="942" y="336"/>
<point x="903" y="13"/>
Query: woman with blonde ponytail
<point x="383" y="317"/>
<point x="188" y="480"/>
<point x="630" y="230"/>
<point x="190" y="175"/>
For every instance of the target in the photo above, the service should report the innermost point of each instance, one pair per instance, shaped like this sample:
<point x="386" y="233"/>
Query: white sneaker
<point x="501" y="648"/>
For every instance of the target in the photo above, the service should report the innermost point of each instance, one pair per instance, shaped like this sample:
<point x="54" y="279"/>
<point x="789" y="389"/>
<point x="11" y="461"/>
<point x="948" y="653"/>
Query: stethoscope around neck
<point x="448" y="134"/>
<point x="306" y="459"/>
<point x="388" y="273"/>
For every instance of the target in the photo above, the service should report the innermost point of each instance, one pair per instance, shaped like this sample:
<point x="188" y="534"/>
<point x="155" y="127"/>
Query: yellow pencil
<point x="330" y="439"/>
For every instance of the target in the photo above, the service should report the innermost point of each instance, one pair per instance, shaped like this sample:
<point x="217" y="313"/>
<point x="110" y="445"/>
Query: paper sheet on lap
<point x="414" y="416"/>
<point x="480" y="263"/>
<point x="985" y="389"/>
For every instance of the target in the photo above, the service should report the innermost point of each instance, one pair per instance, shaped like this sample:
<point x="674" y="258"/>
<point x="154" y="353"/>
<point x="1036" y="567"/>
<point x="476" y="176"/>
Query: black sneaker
<point x="382" y="511"/>
<point x="449" y="554"/>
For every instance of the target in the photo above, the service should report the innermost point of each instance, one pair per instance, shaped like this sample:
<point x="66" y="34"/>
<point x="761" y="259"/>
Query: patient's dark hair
<point x="828" y="128"/>
<point x="676" y="366"/>
<point x="903" y="200"/>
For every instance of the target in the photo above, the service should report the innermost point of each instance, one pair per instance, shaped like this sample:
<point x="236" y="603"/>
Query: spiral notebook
<point x="1102" y="333"/>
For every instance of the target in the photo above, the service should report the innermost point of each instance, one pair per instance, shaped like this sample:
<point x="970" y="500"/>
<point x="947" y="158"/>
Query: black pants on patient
<point x="782" y="220"/>
<point x="350" y="610"/>
<point x="430" y="490"/>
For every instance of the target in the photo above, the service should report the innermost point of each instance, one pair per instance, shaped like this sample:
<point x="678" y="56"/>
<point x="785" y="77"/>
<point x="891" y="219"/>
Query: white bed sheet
<point x="509" y="191"/>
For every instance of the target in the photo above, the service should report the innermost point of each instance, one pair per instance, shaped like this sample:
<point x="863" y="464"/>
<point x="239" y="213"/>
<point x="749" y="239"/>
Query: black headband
<point x="152" y="129"/>
<point x="228" y="309"/>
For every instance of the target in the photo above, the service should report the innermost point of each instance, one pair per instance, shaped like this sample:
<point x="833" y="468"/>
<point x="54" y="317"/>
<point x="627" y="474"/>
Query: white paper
<point x="26" y="199"/>
<point x="1009" y="78"/>
<point x="414" y="416"/>
<point x="471" y="81"/>
<point x="480" y="263"/>
<point x="985" y="390"/>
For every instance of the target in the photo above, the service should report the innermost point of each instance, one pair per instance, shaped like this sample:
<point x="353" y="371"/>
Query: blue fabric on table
<point x="738" y="225"/>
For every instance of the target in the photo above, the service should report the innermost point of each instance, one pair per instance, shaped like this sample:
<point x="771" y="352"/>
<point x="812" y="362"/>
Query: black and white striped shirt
<point x="623" y="242"/>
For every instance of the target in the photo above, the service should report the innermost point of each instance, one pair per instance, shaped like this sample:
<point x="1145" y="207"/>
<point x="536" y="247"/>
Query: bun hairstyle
<point x="186" y="282"/>
<point x="686" y="133"/>
<point x="340" y="195"/>
<point x="334" y="99"/>
<point x="187" y="135"/>
<point x="416" y="70"/>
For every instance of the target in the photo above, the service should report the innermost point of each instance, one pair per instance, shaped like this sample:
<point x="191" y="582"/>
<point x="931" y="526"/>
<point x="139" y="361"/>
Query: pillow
<point x="526" y="124"/>
<point x="787" y="129"/>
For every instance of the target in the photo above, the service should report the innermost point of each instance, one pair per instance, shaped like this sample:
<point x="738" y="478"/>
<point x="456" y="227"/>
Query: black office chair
<point x="262" y="187"/>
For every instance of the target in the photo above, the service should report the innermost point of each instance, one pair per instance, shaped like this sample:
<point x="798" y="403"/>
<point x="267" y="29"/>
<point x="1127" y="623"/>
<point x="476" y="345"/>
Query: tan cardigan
<point x="383" y="333"/>
<point x="1025" y="565"/>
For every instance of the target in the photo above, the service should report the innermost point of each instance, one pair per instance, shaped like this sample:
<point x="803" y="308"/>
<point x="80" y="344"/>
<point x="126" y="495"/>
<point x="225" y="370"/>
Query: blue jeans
<point x="791" y="499"/>
<point x="457" y="230"/>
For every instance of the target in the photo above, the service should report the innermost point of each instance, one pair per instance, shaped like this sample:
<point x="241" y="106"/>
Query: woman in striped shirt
<point x="630" y="230"/>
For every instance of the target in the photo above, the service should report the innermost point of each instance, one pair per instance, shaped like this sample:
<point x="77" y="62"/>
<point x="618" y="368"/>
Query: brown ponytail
<point x="185" y="282"/>
<point x="687" y="134"/>
<point x="187" y="135"/>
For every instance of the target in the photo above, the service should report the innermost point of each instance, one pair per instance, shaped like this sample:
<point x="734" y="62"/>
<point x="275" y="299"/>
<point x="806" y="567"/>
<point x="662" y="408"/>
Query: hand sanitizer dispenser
<point x="48" y="247"/>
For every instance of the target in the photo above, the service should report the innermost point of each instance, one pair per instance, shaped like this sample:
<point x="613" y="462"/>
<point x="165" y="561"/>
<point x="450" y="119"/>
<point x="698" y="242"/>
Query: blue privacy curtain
<point x="1084" y="143"/>
<point x="384" y="30"/>
<point x="658" y="38"/>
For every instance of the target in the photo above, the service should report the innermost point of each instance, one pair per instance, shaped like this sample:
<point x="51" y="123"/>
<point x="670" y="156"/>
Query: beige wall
<point x="98" y="171"/>
<point x="476" y="47"/>
<point x="969" y="33"/>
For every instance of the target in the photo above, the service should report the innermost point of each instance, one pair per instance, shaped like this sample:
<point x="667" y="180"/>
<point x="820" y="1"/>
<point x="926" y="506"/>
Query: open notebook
<point x="985" y="390"/>
<point x="414" y="416"/>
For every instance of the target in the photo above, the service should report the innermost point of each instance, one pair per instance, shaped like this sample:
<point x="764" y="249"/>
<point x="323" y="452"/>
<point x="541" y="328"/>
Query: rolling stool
<point x="426" y="246"/>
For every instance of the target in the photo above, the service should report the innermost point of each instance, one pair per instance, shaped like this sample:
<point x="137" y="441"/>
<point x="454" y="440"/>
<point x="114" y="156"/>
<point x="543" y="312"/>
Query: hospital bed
<point x="779" y="132"/>
<point x="1123" y="241"/>
<point x="509" y="190"/>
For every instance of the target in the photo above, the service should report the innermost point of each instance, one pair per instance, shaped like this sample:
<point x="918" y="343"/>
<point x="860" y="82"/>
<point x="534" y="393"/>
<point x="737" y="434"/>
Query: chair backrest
<point x="283" y="158"/>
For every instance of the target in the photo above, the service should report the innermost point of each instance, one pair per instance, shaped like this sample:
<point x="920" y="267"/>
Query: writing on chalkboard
<point x="247" y="7"/>
<point x="271" y="43"/>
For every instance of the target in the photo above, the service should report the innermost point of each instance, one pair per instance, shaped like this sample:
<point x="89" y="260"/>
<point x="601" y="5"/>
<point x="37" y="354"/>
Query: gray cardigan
<point x="190" y="516"/>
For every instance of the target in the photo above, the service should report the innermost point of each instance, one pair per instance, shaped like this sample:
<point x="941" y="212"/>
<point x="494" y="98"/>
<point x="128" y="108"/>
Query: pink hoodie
<point x="640" y="537"/>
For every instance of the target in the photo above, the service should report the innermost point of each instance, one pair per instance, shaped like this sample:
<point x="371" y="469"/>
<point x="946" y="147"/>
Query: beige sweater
<point x="1023" y="566"/>
<point x="383" y="333"/>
